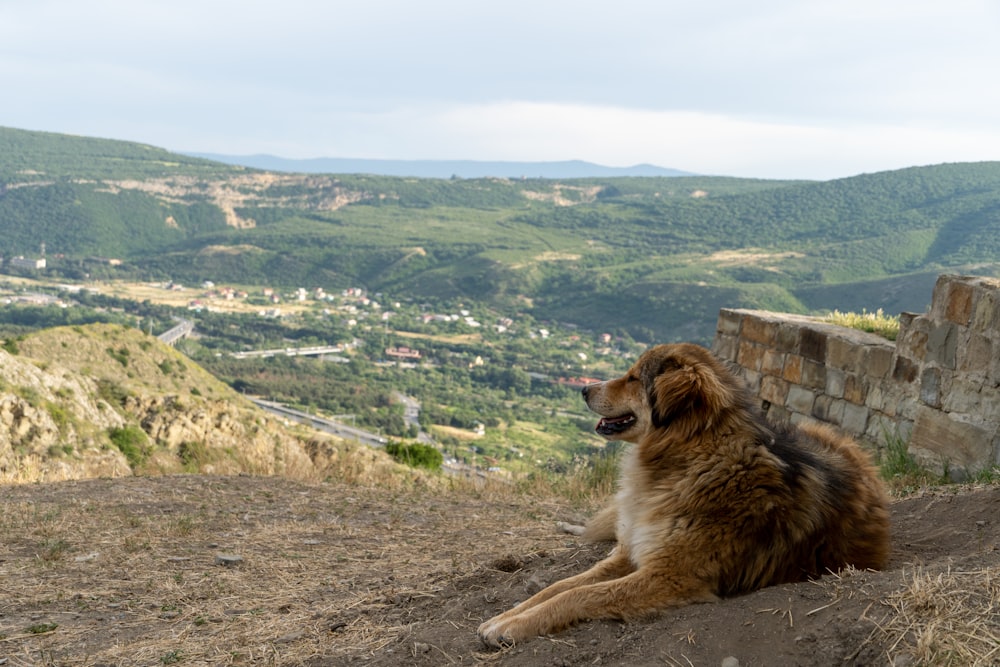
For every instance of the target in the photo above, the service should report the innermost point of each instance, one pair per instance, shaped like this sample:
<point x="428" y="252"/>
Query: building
<point x="402" y="352"/>
<point x="22" y="262"/>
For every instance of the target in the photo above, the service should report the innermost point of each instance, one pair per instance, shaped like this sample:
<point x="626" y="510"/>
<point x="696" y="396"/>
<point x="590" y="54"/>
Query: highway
<point x="182" y="330"/>
<point x="327" y="425"/>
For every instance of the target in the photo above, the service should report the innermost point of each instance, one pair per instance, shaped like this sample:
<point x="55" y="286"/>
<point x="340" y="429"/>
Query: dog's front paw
<point x="498" y="632"/>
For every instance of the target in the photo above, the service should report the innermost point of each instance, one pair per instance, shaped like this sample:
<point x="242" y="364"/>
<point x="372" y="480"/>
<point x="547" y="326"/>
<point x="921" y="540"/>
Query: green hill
<point x="654" y="257"/>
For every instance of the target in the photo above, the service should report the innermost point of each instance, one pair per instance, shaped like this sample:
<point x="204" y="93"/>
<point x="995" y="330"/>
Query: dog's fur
<point x="713" y="500"/>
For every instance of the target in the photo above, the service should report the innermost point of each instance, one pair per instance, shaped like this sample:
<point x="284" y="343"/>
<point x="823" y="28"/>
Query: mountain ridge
<point x="440" y="168"/>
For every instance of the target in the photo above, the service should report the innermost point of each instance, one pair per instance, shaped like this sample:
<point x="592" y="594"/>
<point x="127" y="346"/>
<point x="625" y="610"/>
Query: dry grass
<point x="127" y="571"/>
<point x="949" y="618"/>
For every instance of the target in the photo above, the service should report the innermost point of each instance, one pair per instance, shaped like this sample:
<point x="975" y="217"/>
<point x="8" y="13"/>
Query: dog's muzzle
<point x="609" y="426"/>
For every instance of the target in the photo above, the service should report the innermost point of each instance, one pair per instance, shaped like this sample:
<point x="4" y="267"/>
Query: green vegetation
<point x="41" y="628"/>
<point x="653" y="258"/>
<point x="416" y="455"/>
<point x="878" y="322"/>
<point x="508" y="289"/>
<point x="132" y="442"/>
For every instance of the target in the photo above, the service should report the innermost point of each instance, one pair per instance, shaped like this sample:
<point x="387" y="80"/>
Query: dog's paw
<point x="496" y="633"/>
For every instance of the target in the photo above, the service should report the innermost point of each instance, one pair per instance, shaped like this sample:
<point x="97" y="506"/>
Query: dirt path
<point x="195" y="570"/>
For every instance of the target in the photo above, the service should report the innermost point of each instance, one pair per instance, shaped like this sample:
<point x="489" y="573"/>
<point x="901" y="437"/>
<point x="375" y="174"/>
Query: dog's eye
<point x="631" y="378"/>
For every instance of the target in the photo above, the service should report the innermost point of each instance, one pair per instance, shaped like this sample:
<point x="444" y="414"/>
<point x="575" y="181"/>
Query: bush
<point x="193" y="455"/>
<point x="416" y="455"/>
<point x="132" y="442"/>
<point x="112" y="392"/>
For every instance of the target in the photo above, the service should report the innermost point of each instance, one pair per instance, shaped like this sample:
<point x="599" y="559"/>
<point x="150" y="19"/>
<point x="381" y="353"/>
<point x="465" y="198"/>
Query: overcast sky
<point x="815" y="89"/>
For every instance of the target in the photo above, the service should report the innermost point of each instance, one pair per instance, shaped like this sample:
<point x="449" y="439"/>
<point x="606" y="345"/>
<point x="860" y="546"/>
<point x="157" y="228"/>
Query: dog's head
<point x="668" y="385"/>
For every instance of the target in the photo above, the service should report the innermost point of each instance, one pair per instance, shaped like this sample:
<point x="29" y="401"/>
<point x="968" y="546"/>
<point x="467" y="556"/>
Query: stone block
<point x="800" y="400"/>
<point x="835" y="379"/>
<point x="958" y="308"/>
<point x="906" y="407"/>
<point x="813" y="374"/>
<point x="905" y="322"/>
<point x="725" y="347"/>
<point x="977" y="354"/>
<point x="752" y="380"/>
<point x="953" y="441"/>
<point x="942" y="345"/>
<point x="939" y="297"/>
<point x="930" y="387"/>
<point x="875" y="399"/>
<point x="773" y="390"/>
<point x="750" y="355"/>
<point x="812" y="345"/>
<point x="913" y="345"/>
<point x="792" y="370"/>
<point x="729" y="322"/>
<point x="787" y="339"/>
<point x="904" y="370"/>
<point x="876" y="360"/>
<point x="987" y="314"/>
<point x="830" y="410"/>
<point x="965" y="396"/>
<point x="843" y="354"/>
<point x="758" y="330"/>
<point x="855" y="419"/>
<point x="855" y="388"/>
<point x="772" y="363"/>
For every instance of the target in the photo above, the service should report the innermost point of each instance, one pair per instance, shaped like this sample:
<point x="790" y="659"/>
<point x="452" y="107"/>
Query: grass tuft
<point x="877" y="323"/>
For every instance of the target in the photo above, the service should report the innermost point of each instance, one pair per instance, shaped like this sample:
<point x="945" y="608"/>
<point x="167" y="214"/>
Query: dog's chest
<point x="645" y="521"/>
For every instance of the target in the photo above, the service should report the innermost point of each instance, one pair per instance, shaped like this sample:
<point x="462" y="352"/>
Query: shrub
<point x="192" y="455"/>
<point x="416" y="455"/>
<point x="120" y="355"/>
<point x="112" y="392"/>
<point x="132" y="442"/>
<point x="10" y="344"/>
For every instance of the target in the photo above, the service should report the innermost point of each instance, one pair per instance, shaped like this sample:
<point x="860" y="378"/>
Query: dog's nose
<point x="586" y="390"/>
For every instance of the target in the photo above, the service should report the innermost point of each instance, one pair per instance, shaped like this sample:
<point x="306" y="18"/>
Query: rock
<point x="228" y="560"/>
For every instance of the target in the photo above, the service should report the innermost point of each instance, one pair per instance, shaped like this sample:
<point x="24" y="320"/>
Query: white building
<point x="25" y="263"/>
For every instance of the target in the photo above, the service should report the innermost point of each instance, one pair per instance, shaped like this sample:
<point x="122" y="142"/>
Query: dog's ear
<point x="680" y="386"/>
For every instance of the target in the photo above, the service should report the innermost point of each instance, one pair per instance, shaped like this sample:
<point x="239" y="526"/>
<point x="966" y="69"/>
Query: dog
<point x="713" y="500"/>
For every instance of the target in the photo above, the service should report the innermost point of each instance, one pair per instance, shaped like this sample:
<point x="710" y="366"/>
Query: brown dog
<point x="713" y="500"/>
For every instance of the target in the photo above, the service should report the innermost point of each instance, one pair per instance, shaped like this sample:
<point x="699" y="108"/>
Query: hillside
<point x="651" y="257"/>
<point x="109" y="401"/>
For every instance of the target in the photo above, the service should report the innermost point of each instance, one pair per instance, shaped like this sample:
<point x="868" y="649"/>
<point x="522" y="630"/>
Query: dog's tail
<point x="601" y="527"/>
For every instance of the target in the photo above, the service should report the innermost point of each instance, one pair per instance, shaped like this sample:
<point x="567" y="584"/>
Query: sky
<point x="810" y="89"/>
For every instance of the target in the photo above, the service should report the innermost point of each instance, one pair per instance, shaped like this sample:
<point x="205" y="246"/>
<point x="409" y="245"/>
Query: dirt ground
<point x="195" y="570"/>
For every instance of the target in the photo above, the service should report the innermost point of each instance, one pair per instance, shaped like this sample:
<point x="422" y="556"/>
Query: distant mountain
<point x="440" y="168"/>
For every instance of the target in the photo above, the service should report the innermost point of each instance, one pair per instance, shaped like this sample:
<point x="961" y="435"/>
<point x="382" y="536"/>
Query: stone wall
<point x="937" y="386"/>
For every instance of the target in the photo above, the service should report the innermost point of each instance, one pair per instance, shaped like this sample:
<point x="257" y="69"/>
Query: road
<point x="411" y="415"/>
<point x="327" y="425"/>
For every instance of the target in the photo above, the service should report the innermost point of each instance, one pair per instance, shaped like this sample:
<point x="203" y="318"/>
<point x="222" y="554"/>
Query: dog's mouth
<point x="613" y="425"/>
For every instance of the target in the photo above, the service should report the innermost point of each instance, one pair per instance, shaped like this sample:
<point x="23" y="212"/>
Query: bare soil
<point x="200" y="570"/>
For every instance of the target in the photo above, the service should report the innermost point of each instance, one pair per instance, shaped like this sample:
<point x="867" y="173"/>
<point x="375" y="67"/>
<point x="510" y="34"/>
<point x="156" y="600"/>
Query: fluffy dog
<point x="713" y="500"/>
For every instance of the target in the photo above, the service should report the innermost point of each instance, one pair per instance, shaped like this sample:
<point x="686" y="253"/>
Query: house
<point x="402" y="352"/>
<point x="22" y="262"/>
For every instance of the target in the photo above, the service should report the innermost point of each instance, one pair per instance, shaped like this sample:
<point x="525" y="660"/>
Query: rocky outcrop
<point x="51" y="424"/>
<point x="220" y="436"/>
